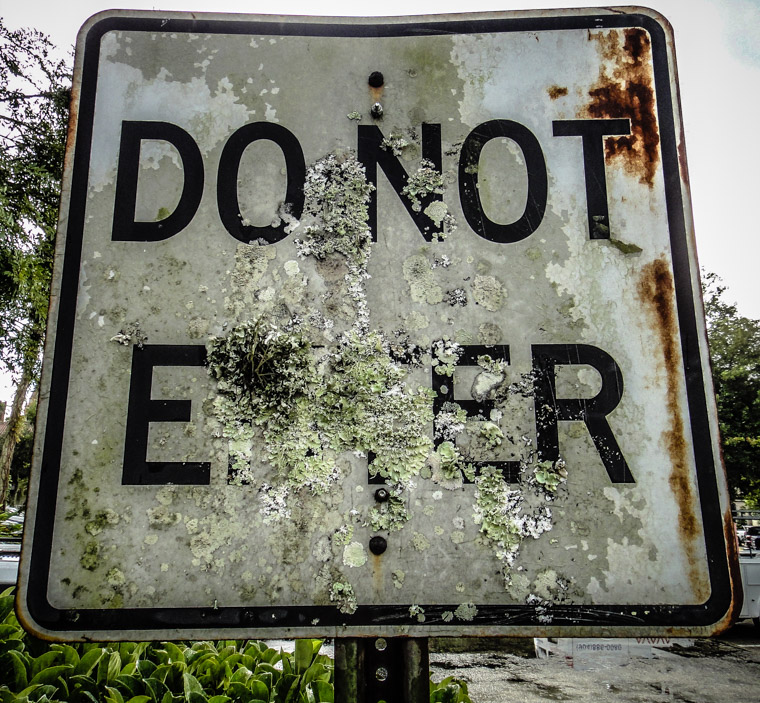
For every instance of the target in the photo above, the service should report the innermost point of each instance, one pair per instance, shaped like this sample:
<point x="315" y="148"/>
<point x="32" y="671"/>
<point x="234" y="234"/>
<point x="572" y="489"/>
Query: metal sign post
<point x="380" y="669"/>
<point x="376" y="328"/>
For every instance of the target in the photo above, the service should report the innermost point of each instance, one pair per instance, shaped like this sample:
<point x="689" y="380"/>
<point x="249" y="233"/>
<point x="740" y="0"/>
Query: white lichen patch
<point x="466" y="611"/>
<point x="354" y="555"/>
<point x="423" y="286"/>
<point x="416" y="611"/>
<point x="395" y="143"/>
<point x="504" y="517"/>
<point x="342" y="594"/>
<point x="488" y="292"/>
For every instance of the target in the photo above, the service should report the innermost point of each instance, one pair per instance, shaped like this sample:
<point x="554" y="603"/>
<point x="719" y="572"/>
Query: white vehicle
<point x="750" y="571"/>
<point x="10" y="550"/>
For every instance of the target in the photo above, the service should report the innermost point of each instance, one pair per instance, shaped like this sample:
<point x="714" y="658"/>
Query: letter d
<point x="125" y="229"/>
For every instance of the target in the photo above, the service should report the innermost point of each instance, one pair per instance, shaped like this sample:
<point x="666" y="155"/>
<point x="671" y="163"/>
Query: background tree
<point x="34" y="102"/>
<point x="735" y="355"/>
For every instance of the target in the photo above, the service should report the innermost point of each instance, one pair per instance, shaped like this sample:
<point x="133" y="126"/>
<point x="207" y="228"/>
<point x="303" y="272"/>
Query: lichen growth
<point x="549" y="475"/>
<point x="488" y="292"/>
<point x="423" y="183"/>
<point x="416" y="611"/>
<point x="504" y="517"/>
<point x="466" y="611"/>
<point x="354" y="555"/>
<point x="342" y="594"/>
<point x="422" y="284"/>
<point x="396" y="143"/>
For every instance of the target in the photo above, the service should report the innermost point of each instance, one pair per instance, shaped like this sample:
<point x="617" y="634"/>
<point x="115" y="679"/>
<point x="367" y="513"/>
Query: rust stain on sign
<point x="657" y="293"/>
<point x="733" y="566"/>
<point x="557" y="91"/>
<point x="625" y="89"/>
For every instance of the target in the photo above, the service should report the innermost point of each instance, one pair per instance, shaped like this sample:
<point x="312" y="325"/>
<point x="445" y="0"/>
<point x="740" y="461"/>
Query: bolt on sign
<point x="382" y="326"/>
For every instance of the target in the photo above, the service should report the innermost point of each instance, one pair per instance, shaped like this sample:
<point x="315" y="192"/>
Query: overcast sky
<point x="718" y="52"/>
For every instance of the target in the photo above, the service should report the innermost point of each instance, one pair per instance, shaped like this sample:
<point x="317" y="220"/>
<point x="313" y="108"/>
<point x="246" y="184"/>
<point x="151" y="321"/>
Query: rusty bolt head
<point x="377" y="545"/>
<point x="376" y="111"/>
<point x="381" y="495"/>
<point x="376" y="79"/>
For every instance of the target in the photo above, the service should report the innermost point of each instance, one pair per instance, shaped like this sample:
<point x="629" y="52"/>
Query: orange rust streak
<point x="734" y="572"/>
<point x="656" y="291"/>
<point x="71" y="128"/>
<point x="557" y="91"/>
<point x="628" y="93"/>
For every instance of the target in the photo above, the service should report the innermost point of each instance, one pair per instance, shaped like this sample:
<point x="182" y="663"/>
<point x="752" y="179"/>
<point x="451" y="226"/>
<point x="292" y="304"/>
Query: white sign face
<point x="376" y="327"/>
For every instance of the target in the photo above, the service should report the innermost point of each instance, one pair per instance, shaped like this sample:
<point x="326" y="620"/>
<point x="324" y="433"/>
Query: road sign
<point x="376" y="327"/>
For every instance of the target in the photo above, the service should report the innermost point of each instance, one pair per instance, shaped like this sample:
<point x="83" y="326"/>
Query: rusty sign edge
<point x="32" y="604"/>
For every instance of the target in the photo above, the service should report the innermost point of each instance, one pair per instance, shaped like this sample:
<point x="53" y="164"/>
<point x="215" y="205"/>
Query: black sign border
<point x="599" y="618"/>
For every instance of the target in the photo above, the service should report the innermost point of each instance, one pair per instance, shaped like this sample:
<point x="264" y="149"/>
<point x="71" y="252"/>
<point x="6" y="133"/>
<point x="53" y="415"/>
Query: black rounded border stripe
<point x="53" y="619"/>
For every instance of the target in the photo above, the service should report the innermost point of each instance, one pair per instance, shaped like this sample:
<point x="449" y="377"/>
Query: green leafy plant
<point x="229" y="671"/>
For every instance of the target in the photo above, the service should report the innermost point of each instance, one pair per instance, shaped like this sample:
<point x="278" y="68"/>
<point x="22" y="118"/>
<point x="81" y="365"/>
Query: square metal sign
<point x="384" y="326"/>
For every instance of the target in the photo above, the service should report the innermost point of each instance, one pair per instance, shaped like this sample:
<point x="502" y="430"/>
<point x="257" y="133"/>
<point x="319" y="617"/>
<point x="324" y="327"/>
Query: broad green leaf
<point x="263" y="667"/>
<point x="89" y="661"/>
<point x="157" y="688"/>
<point x="13" y="670"/>
<point x="139" y="699"/>
<point x="239" y="692"/>
<point x="48" y="677"/>
<point x="8" y="630"/>
<point x="114" y="666"/>
<point x="221" y="699"/>
<point x="241" y="674"/>
<point x="44" y="661"/>
<point x="69" y="655"/>
<point x="303" y="655"/>
<point x="145" y="668"/>
<point x="313" y="672"/>
<point x="196" y="697"/>
<point x="258" y="689"/>
<point x="175" y="653"/>
<point x="114" y="695"/>
<point x="190" y="684"/>
<point x="286" y="687"/>
<point x="131" y="685"/>
<point x="323" y="691"/>
<point x="6" y="604"/>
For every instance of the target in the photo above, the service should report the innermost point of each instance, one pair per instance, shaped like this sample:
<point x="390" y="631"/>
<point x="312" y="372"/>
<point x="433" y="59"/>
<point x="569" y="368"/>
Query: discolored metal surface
<point x="376" y="327"/>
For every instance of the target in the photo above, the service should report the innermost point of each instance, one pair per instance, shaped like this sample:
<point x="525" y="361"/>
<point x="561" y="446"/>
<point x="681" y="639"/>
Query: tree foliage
<point x="735" y="355"/>
<point x="34" y="105"/>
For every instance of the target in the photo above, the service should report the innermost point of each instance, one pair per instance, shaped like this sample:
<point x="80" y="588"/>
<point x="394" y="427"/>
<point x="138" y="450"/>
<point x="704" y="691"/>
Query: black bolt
<point x="377" y="545"/>
<point x="381" y="495"/>
<point x="376" y="79"/>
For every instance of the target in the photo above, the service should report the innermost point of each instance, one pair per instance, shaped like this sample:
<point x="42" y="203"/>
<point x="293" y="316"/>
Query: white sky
<point x="718" y="52"/>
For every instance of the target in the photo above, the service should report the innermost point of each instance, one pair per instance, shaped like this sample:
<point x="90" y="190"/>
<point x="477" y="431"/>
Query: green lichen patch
<point x="423" y="286"/>
<point x="488" y="292"/>
<point x="504" y="519"/>
<point x="549" y="475"/>
<point x="337" y="197"/>
<point x="342" y="594"/>
<point x="425" y="182"/>
<point x="395" y="143"/>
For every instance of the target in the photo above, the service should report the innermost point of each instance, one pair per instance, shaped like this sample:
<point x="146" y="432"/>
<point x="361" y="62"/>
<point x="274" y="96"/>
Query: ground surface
<point x="723" y="670"/>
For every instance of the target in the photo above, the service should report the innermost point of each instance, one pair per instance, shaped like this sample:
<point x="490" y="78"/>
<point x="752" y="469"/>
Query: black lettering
<point x="125" y="229"/>
<point x="469" y="161"/>
<point x="227" y="178"/>
<point x="142" y="411"/>
<point x="593" y="412"/>
<point x="371" y="153"/>
<point x="591" y="132"/>
<point x="444" y="393"/>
